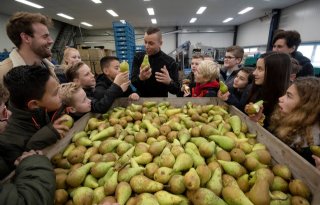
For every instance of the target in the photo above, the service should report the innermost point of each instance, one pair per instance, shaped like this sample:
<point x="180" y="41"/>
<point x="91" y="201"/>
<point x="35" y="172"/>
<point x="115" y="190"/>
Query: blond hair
<point x="209" y="69"/>
<point x="67" y="91"/>
<point x="66" y="54"/>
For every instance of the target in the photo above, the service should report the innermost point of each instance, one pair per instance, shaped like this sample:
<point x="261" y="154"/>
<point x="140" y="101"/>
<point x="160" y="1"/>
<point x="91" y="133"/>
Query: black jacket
<point x="33" y="183"/>
<point x="229" y="81"/>
<point x="307" y="68"/>
<point x="26" y="130"/>
<point x="238" y="98"/>
<point x="150" y="87"/>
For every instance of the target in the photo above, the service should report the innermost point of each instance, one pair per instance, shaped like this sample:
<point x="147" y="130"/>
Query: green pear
<point x="127" y="173"/>
<point x="176" y="184"/>
<point x="61" y="180"/>
<point x="235" y="123"/>
<point x="224" y="142"/>
<point x="176" y="150"/>
<point x="90" y="152"/>
<point x="198" y="140"/>
<point x="238" y="155"/>
<point x="298" y="188"/>
<point x="140" y="148"/>
<point x="223" y="88"/>
<point x="108" y="145"/>
<point x="215" y="182"/>
<point x="90" y="182"/>
<point x="207" y="149"/>
<point x="82" y="196"/>
<point x="63" y="164"/>
<point x="110" y="185"/>
<point x="76" y="177"/>
<point x="166" y="198"/>
<point x="192" y="180"/>
<point x="203" y="196"/>
<point x="156" y="148"/>
<point x="124" y="66"/>
<point x="315" y="150"/>
<point x="98" y="195"/>
<point x="123" y="147"/>
<point x="183" y="162"/>
<point x="234" y="196"/>
<point x="298" y="200"/>
<point x="184" y="136"/>
<point x="259" y="193"/>
<point x="124" y="159"/>
<point x="79" y="135"/>
<point x="106" y="177"/>
<point x="145" y="63"/>
<point x="68" y="120"/>
<point x="84" y="141"/>
<point x="253" y="164"/>
<point x="163" y="174"/>
<point x="107" y="132"/>
<point x="61" y="196"/>
<point x="282" y="170"/>
<point x="228" y="180"/>
<point x="144" y="158"/>
<point x="146" y="199"/>
<point x="123" y="192"/>
<point x="141" y="184"/>
<point x="150" y="169"/>
<point x="68" y="149"/>
<point x="76" y="156"/>
<point x="243" y="183"/>
<point x="262" y="155"/>
<point x="193" y="151"/>
<point x="221" y="154"/>
<point x="166" y="158"/>
<point x="152" y="131"/>
<point x="207" y="130"/>
<point x="233" y="168"/>
<point x="204" y="173"/>
<point x="245" y="147"/>
<point x="279" y="184"/>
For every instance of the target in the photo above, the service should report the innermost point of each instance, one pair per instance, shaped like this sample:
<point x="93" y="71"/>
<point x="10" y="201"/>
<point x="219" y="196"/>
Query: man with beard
<point x="29" y="33"/>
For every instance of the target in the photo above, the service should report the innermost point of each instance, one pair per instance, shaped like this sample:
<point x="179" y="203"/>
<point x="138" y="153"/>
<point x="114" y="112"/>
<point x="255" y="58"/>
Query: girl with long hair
<point x="296" y="119"/>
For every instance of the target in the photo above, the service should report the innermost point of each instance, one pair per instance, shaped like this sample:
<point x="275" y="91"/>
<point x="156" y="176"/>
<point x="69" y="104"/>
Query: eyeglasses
<point x="229" y="57"/>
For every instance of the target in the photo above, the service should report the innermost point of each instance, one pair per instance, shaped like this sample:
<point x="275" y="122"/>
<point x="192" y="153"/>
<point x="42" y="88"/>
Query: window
<point x="306" y="50"/>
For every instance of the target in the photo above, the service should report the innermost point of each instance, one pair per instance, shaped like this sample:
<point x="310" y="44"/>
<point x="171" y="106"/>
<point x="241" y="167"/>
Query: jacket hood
<point x="301" y="58"/>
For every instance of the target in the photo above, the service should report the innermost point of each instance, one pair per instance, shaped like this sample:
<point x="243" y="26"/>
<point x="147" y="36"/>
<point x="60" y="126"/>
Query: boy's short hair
<point x="296" y="67"/>
<point x="249" y="71"/>
<point x="209" y="69"/>
<point x="72" y="71"/>
<point x="237" y="51"/>
<point x="67" y="91"/>
<point x="4" y="94"/>
<point x="26" y="83"/>
<point x="105" y="61"/>
<point x="292" y="38"/>
<point x="197" y="56"/>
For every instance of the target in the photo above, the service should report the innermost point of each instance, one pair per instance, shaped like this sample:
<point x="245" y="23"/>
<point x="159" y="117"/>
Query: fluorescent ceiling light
<point x="150" y="11"/>
<point x="96" y="1"/>
<point x="227" y="20"/>
<point x="30" y="4"/>
<point x="154" y="21"/>
<point x="201" y="9"/>
<point x="123" y="21"/>
<point x="112" y="13"/>
<point x="245" y="10"/>
<point x="193" y="20"/>
<point x="65" y="16"/>
<point x="146" y="0"/>
<point x="86" y="24"/>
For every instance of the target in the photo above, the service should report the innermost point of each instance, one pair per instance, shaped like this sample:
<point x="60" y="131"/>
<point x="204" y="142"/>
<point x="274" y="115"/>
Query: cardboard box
<point x="95" y="54"/>
<point x="108" y="52"/>
<point x="84" y="54"/>
<point x="280" y="152"/>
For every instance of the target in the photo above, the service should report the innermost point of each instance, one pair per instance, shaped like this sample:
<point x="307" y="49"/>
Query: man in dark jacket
<point x="288" y="42"/>
<point x="161" y="76"/>
<point x="33" y="183"/>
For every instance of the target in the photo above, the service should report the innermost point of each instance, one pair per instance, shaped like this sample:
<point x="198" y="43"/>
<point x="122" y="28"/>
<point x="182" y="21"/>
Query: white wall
<point x="304" y="18"/>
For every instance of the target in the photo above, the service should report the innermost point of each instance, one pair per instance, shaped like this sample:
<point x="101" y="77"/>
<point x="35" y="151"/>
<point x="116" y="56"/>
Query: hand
<point x="121" y="78"/>
<point x="256" y="117"/>
<point x="145" y="73"/>
<point x="163" y="76"/>
<point x="61" y="129"/>
<point x="317" y="161"/>
<point x="124" y="86"/>
<point x="223" y="97"/>
<point x="134" y="96"/>
<point x="186" y="92"/>
<point x="25" y="155"/>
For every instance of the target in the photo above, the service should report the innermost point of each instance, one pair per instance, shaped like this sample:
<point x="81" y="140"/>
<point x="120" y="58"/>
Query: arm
<point x="44" y="137"/>
<point x="135" y="80"/>
<point x="34" y="183"/>
<point x="174" y="87"/>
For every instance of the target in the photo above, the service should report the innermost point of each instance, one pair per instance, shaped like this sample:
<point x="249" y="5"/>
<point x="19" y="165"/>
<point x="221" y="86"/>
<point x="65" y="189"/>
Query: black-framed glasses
<point x="229" y="57"/>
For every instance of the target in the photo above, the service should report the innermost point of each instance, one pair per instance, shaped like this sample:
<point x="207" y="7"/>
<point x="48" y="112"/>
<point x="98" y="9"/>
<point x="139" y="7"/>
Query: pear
<point x="204" y="173"/>
<point x="99" y="169"/>
<point x="75" y="166"/>
<point x="215" y="182"/>
<point x="279" y="184"/>
<point x="233" y="168"/>
<point x="79" y="135"/>
<point x="109" y="157"/>
<point x="166" y="198"/>
<point x="245" y="147"/>
<point x="124" y="159"/>
<point x="183" y="162"/>
<point x="108" y="200"/>
<point x="107" y="132"/>
<point x="145" y="63"/>
<point x="76" y="177"/>
<point x="184" y="136"/>
<point x="140" y="148"/>
<point x="76" y="156"/>
<point x="61" y="180"/>
<point x="176" y="150"/>
<point x="164" y="129"/>
<point x="172" y="135"/>
<point x="198" y="140"/>
<point x="235" y="123"/>
<point x="254" y="108"/>
<point x="228" y="180"/>
<point x="213" y="165"/>
<point x="253" y="164"/>
<point x="132" y="201"/>
<point x="315" y="150"/>
<point x="82" y="196"/>
<point x="122" y="148"/>
<point x="90" y="152"/>
<point x="61" y="196"/>
<point x="68" y="149"/>
<point x="108" y="145"/>
<point x="207" y="130"/>
<point x="266" y="174"/>
<point x="57" y="157"/>
<point x="207" y="149"/>
<point x="298" y="188"/>
<point x="258" y="146"/>
<point x="193" y="151"/>
<point x="84" y="141"/>
<point x="156" y="148"/>
<point x="259" y="193"/>
<point x="144" y="158"/>
<point x="63" y="164"/>
<point x="141" y="184"/>
<point x="224" y="142"/>
<point x="195" y="132"/>
<point x="243" y="183"/>
<point x="124" y="66"/>
<point x="166" y="158"/>
<point x="234" y="196"/>
<point x="238" y="155"/>
<point x="123" y="192"/>
<point x="127" y="173"/>
<point x="150" y="169"/>
<point x="223" y="88"/>
<point x="192" y="180"/>
<point x="222" y="154"/>
<point x="90" y="182"/>
<point x="141" y="136"/>
<point x="262" y="155"/>
<point x="298" y="200"/>
<point x="146" y="199"/>
<point x="203" y="196"/>
<point x="152" y="131"/>
<point x="106" y="177"/>
<point x="282" y="170"/>
<point x="163" y="175"/>
<point x="110" y="185"/>
<point x="176" y="184"/>
<point x="98" y="195"/>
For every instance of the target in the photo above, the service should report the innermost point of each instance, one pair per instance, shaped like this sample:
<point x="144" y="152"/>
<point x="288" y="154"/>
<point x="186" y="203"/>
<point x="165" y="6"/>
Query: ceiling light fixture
<point x="245" y="10"/>
<point x="193" y="20"/>
<point x="30" y="4"/>
<point x="86" y="24"/>
<point x="65" y="16"/>
<point x="97" y="1"/>
<point x="227" y="20"/>
<point x="146" y="0"/>
<point x="123" y="21"/>
<point x="112" y="13"/>
<point x="150" y="11"/>
<point x="154" y="21"/>
<point x="201" y="9"/>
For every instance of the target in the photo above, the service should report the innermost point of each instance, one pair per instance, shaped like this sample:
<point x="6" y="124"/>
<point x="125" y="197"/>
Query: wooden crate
<point x="280" y="152"/>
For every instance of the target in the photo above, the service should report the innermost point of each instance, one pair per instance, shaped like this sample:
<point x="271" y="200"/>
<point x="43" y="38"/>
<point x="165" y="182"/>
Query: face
<point x="290" y="100"/>
<point x="281" y="46"/>
<point x="199" y="78"/>
<point x="51" y="100"/>
<point x="113" y="70"/>
<point x="82" y="104"/>
<point x="41" y="41"/>
<point x="152" y="43"/>
<point x="73" y="57"/>
<point x="230" y="60"/>
<point x="86" y="78"/>
<point x="195" y="64"/>
<point x="241" y="80"/>
<point x="4" y="116"/>
<point x="259" y="72"/>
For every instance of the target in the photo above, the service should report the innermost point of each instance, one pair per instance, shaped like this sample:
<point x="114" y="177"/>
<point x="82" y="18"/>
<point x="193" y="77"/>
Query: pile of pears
<point x="158" y="154"/>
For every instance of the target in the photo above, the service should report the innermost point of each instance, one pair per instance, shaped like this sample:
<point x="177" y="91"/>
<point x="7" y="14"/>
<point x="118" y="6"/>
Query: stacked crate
<point x="140" y="48"/>
<point x="124" y="41"/>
